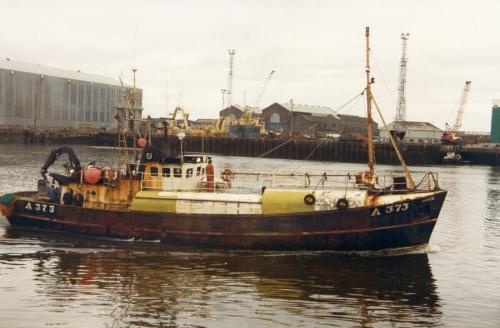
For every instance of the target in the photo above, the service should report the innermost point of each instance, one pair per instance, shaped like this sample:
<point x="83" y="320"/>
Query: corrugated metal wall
<point x="495" y="124"/>
<point x="57" y="102"/>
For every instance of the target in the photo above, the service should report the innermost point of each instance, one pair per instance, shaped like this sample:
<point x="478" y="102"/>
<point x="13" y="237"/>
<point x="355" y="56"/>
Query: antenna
<point x="231" y="53"/>
<point x="223" y="92"/>
<point x="166" y="94"/>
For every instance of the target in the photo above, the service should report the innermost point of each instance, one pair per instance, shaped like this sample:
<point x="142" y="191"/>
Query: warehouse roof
<point x="353" y="118"/>
<point x="321" y="110"/>
<point x="421" y="126"/>
<point x="256" y="110"/>
<point x="56" y="72"/>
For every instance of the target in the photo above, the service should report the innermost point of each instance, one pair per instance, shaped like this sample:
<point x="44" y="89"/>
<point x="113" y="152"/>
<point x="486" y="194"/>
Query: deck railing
<point x="252" y="182"/>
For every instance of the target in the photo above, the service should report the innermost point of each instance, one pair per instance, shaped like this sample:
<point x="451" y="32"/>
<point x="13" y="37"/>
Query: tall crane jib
<point x="229" y="92"/>
<point x="401" y="107"/>
<point x="263" y="89"/>
<point x="450" y="136"/>
<point x="461" y="107"/>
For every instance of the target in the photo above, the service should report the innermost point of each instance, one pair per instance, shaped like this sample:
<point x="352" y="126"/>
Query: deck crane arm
<point x="185" y="118"/>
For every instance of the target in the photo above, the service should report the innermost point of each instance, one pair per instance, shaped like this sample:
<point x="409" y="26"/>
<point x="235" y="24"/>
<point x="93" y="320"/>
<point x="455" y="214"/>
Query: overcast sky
<point x="316" y="48"/>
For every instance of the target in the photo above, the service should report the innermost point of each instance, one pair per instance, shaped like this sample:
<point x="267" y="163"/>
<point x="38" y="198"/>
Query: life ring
<point x="342" y="204"/>
<point x="227" y="175"/>
<point x="309" y="199"/>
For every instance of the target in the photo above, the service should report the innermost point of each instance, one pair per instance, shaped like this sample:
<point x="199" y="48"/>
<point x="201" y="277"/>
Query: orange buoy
<point x="92" y="175"/>
<point x="141" y="142"/>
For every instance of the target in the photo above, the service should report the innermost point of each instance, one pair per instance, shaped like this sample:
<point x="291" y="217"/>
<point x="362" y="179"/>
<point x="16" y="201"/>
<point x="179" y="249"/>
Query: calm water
<point x="57" y="279"/>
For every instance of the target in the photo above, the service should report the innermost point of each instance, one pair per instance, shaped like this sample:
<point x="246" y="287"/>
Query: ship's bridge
<point x="174" y="173"/>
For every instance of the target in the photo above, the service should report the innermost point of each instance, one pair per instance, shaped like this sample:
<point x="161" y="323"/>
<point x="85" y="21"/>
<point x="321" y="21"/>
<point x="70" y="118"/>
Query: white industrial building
<point x="35" y="96"/>
<point x="416" y="132"/>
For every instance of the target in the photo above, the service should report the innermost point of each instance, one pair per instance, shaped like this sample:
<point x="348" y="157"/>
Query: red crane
<point x="449" y="136"/>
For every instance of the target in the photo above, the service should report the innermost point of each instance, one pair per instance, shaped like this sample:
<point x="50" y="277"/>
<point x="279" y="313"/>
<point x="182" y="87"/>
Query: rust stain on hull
<point x="343" y="230"/>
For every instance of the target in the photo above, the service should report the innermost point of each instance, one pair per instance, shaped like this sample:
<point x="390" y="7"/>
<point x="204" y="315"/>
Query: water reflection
<point x="492" y="219"/>
<point x="152" y="285"/>
<point x="58" y="280"/>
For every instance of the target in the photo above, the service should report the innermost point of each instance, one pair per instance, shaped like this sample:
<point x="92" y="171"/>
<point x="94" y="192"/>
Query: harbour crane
<point x="248" y="117"/>
<point x="231" y="53"/>
<point x="450" y="135"/>
<point x="399" y="129"/>
<point x="263" y="89"/>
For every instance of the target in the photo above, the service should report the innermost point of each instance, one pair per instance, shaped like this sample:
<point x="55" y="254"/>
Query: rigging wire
<point x="383" y="79"/>
<point x="308" y="156"/>
<point x="348" y="102"/>
<point x="284" y="143"/>
<point x="356" y="97"/>
<point x="353" y="105"/>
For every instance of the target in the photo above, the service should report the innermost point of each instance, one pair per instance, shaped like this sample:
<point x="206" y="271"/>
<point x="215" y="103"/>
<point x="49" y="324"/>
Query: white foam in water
<point x="432" y="248"/>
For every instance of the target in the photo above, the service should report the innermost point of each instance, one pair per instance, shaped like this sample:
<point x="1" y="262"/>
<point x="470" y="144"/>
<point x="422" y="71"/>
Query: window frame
<point x="165" y="169"/>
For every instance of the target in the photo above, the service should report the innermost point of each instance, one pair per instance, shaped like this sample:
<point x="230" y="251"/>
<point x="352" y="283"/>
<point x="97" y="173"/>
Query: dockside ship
<point x="179" y="199"/>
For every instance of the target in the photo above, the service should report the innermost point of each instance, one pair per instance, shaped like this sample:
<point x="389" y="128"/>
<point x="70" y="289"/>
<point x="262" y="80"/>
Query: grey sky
<point x="316" y="47"/>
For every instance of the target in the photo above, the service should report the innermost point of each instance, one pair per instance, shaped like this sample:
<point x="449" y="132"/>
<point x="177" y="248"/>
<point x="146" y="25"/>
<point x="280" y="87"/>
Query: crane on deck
<point x="450" y="134"/>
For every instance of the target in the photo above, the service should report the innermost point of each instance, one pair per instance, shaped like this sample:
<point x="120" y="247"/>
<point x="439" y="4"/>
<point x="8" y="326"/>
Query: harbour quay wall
<point x="482" y="155"/>
<point x="318" y="150"/>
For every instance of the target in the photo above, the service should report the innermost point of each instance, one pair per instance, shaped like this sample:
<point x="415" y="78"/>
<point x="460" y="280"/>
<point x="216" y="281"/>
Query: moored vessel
<point x="179" y="199"/>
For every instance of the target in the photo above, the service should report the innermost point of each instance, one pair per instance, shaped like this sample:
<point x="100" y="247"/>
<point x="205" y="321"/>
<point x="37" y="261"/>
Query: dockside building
<point x="315" y="120"/>
<point x="35" y="96"/>
<point x="415" y="132"/>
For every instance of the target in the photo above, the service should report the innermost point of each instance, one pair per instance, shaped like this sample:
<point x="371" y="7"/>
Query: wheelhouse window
<point x="153" y="171"/>
<point x="165" y="172"/>
<point x="198" y="170"/>
<point x="177" y="172"/>
<point x="189" y="173"/>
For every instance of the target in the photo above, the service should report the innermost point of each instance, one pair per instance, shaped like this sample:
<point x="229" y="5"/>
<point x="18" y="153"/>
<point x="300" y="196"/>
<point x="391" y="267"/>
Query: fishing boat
<point x="454" y="158"/>
<point x="178" y="198"/>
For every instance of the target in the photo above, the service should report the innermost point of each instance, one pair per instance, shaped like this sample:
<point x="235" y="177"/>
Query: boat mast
<point x="133" y="102"/>
<point x="371" y="161"/>
<point x="370" y="99"/>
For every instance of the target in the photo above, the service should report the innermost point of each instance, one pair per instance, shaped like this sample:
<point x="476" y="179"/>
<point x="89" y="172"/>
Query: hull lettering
<point x="397" y="208"/>
<point x="40" y="208"/>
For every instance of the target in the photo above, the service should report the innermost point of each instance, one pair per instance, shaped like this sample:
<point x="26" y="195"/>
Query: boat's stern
<point x="7" y="203"/>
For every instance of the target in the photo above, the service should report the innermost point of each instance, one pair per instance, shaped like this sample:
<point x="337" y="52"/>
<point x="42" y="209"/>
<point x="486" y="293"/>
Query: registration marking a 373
<point x="396" y="208"/>
<point x="40" y="208"/>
